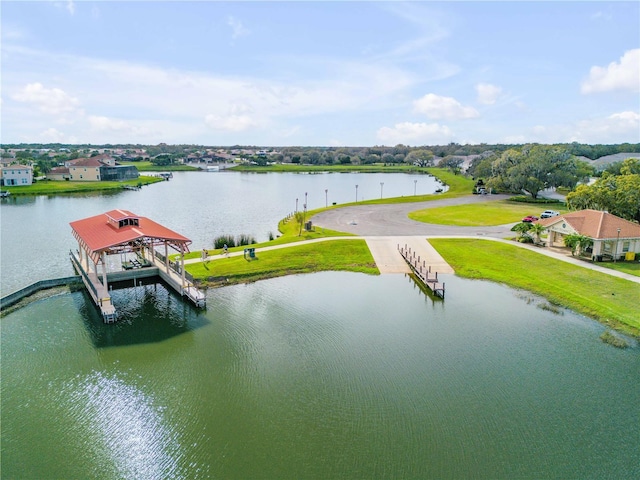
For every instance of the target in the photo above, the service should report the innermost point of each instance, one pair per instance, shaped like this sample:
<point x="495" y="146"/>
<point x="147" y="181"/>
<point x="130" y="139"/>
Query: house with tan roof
<point x="95" y="169"/>
<point x="59" y="173"/>
<point x="613" y="237"/>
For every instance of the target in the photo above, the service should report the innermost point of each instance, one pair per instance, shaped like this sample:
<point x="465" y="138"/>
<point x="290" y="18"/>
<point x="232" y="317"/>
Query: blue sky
<point x="320" y="73"/>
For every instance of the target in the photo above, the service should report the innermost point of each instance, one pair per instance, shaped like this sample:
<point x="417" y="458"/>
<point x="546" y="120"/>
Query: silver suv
<point x="549" y="214"/>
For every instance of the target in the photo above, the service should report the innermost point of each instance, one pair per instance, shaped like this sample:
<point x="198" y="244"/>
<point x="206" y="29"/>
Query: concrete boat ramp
<point x="385" y="251"/>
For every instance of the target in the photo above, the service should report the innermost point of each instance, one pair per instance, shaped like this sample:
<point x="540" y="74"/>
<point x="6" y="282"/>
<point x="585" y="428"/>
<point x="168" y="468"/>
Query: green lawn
<point x="146" y="166"/>
<point x="353" y="256"/>
<point x="53" y="187"/>
<point x="290" y="232"/>
<point x="612" y="301"/>
<point x="632" y="268"/>
<point x="483" y="214"/>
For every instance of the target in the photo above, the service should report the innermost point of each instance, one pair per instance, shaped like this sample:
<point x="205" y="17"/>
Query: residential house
<point x="98" y="168"/>
<point x="16" y="175"/>
<point x="59" y="173"/>
<point x="613" y="237"/>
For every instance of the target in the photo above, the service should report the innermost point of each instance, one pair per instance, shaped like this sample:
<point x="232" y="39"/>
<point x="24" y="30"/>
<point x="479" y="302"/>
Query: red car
<point x="530" y="219"/>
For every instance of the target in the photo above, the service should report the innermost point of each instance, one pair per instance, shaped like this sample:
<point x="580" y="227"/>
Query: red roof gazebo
<point x="121" y="232"/>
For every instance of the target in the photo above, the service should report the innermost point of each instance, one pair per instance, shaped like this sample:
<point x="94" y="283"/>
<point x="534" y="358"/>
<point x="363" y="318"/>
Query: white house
<point x="613" y="237"/>
<point x="16" y="175"/>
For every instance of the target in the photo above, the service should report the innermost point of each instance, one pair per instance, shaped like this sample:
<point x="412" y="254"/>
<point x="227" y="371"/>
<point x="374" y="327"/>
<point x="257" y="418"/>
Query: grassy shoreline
<point x="352" y="256"/>
<point x="610" y="300"/>
<point x="146" y="166"/>
<point x="56" y="187"/>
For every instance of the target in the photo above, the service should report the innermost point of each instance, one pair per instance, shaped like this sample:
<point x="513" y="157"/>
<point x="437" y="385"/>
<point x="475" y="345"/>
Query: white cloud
<point x="415" y="133"/>
<point x="601" y="15"/>
<point x="616" y="128"/>
<point x="488" y="93"/>
<point x="103" y="124"/>
<point x="53" y="101"/>
<point x="437" y="107"/>
<point x="52" y="135"/>
<point x="232" y="123"/>
<point x="237" y="29"/>
<point x="619" y="127"/>
<point x="624" y="75"/>
<point x="69" y="6"/>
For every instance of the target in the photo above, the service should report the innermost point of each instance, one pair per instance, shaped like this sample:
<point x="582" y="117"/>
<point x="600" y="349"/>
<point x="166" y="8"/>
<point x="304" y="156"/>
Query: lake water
<point x="36" y="236"/>
<point x="327" y="375"/>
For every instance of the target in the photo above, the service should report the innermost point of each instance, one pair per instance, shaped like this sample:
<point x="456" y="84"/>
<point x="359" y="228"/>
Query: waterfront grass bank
<point x="332" y="255"/>
<point x="55" y="187"/>
<point x="610" y="300"/>
<point x="146" y="166"/>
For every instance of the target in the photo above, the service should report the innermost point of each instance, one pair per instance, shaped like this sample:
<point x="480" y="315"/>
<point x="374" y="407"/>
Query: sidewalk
<point x="388" y="259"/>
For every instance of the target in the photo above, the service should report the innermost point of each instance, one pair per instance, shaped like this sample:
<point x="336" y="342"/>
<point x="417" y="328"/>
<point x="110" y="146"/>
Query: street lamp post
<point x="381" y="185"/>
<point x="356" y="193"/>
<point x="326" y="198"/>
<point x="304" y="212"/>
<point x="415" y="186"/>
<point x="615" y="254"/>
<point x="296" y="205"/>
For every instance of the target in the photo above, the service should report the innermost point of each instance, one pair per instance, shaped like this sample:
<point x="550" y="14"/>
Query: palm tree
<point x="523" y="231"/>
<point x="537" y="230"/>
<point x="577" y="243"/>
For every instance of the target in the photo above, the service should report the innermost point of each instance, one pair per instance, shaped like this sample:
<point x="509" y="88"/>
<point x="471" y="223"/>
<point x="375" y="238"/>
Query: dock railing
<point x="422" y="271"/>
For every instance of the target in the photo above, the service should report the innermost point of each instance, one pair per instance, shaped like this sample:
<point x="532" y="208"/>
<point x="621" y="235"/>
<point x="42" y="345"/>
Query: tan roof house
<point x="613" y="237"/>
<point x="59" y="173"/>
<point x="99" y="168"/>
<point x="85" y="169"/>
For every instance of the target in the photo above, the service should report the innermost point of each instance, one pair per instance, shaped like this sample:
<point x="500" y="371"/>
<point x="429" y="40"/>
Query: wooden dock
<point x="422" y="271"/>
<point x="97" y="290"/>
<point x="101" y="296"/>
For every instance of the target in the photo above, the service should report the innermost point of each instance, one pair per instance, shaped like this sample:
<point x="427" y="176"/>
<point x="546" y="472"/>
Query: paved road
<point x="393" y="220"/>
<point x="384" y="227"/>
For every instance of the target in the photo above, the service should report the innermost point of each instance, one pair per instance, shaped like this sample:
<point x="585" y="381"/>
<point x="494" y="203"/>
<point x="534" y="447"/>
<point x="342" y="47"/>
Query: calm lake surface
<point x="327" y="375"/>
<point x="36" y="236"/>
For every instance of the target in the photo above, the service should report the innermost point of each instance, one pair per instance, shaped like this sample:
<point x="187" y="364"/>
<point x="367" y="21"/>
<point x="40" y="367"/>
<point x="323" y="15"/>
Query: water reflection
<point x="121" y="422"/>
<point x="18" y="200"/>
<point x="148" y="313"/>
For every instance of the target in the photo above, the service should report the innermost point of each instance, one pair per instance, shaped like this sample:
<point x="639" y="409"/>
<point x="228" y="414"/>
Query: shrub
<point x="612" y="339"/>
<point x="527" y="199"/>
<point x="271" y="237"/>
<point x="245" y="239"/>
<point x="220" y="241"/>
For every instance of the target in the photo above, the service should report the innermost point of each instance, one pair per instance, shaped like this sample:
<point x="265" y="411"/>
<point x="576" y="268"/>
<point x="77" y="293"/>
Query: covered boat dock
<point x="140" y="248"/>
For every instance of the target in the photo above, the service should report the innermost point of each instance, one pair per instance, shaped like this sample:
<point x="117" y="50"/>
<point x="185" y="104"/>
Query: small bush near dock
<point x="231" y="241"/>
<point x="245" y="240"/>
<point x="222" y="240"/>
<point x="613" y="339"/>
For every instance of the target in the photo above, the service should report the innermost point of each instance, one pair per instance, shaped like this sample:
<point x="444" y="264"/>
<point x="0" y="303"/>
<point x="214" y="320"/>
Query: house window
<point x="606" y="247"/>
<point x="625" y="246"/>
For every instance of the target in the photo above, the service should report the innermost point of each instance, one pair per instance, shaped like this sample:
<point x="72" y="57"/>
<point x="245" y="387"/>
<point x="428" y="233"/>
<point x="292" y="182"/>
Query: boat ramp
<point x="422" y="271"/>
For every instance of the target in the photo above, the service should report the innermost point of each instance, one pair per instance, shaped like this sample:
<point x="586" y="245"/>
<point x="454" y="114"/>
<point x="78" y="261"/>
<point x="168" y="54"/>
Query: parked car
<point x="549" y="214"/>
<point x="530" y="219"/>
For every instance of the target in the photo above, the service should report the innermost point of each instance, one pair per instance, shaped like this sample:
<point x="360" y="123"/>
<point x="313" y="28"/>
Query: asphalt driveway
<point x="393" y="220"/>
